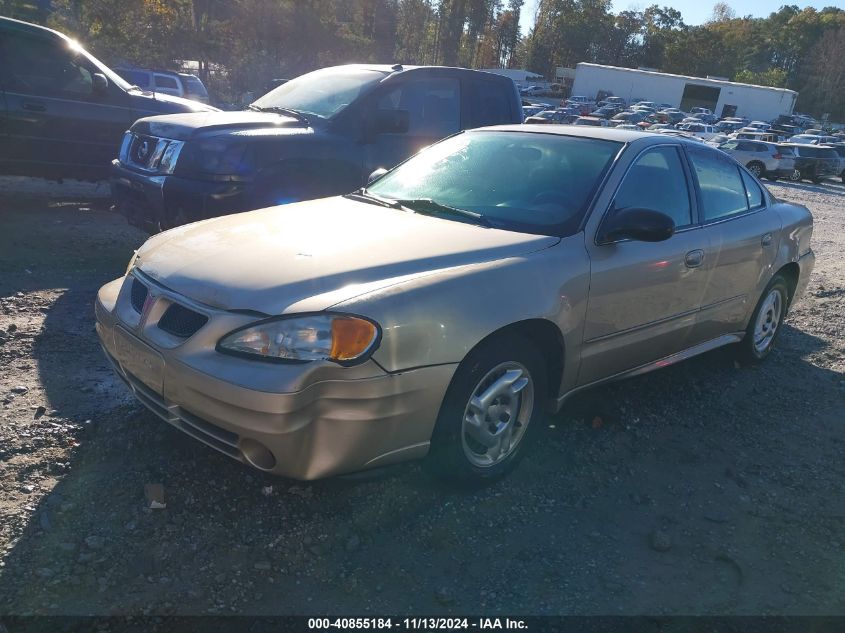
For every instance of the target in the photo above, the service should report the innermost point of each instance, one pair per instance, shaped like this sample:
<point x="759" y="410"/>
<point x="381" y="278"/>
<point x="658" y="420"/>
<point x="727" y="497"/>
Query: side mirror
<point x="389" y="122"/>
<point x="100" y="84"/>
<point x="642" y="225"/>
<point x="378" y="173"/>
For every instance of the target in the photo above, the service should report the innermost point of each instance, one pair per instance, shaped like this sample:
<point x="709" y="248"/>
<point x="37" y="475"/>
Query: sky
<point x="695" y="11"/>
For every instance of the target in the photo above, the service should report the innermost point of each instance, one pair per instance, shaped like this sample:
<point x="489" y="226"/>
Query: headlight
<point x="342" y="338"/>
<point x="131" y="263"/>
<point x="170" y="156"/>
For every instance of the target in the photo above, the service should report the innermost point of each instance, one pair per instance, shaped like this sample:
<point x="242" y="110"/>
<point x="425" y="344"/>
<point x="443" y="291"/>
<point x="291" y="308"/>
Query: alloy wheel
<point x="497" y="414"/>
<point x="768" y="321"/>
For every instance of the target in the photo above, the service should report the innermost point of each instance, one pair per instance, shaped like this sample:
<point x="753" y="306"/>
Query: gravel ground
<point x="704" y="488"/>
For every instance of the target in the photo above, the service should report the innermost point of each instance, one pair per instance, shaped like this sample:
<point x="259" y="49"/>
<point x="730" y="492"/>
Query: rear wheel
<point x="492" y="404"/>
<point x="766" y="321"/>
<point x="756" y="168"/>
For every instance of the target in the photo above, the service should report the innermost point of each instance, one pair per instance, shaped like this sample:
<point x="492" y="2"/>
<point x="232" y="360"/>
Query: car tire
<point x="757" y="168"/>
<point x="766" y="322"/>
<point x="796" y="175"/>
<point x="496" y="397"/>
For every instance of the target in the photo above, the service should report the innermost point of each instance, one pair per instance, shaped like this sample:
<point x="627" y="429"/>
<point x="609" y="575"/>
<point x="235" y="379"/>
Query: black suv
<point x="320" y="134"/>
<point x="813" y="162"/>
<point x="62" y="112"/>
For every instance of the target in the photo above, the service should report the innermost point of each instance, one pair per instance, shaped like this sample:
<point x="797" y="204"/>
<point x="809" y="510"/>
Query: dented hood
<point x="312" y="255"/>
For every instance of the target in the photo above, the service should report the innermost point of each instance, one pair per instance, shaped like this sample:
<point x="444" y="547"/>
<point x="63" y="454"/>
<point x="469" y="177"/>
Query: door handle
<point x="766" y="240"/>
<point x="34" y="107"/>
<point x="694" y="258"/>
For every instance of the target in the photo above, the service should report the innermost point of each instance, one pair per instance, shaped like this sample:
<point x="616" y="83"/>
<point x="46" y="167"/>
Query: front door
<point x="644" y="295"/>
<point x="57" y="123"/>
<point x="433" y="105"/>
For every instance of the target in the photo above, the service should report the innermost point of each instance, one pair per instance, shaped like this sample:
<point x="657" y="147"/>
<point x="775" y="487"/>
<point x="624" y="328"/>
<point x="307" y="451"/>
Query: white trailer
<point x="724" y="98"/>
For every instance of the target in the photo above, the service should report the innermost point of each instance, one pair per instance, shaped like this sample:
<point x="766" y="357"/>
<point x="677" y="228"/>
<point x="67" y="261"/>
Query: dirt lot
<point x="704" y="488"/>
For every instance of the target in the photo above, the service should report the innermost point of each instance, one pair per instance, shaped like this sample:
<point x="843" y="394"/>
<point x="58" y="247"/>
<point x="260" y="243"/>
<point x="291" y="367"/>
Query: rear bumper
<point x="156" y="202"/>
<point x="322" y="427"/>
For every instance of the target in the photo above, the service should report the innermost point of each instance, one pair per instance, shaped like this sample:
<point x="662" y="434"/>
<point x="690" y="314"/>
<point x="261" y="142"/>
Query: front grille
<point x="181" y="321"/>
<point x="138" y="295"/>
<point x="145" y="151"/>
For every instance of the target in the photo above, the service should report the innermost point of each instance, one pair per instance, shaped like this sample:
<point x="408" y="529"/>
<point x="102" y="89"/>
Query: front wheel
<point x="766" y="321"/>
<point x="491" y="405"/>
<point x="796" y="175"/>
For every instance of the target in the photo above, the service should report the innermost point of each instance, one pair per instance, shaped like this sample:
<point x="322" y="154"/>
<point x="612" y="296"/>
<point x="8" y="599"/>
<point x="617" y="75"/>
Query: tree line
<point x="255" y="41"/>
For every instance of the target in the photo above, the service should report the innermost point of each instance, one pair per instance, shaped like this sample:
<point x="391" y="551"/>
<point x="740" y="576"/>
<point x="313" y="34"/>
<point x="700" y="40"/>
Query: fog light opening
<point x="257" y="454"/>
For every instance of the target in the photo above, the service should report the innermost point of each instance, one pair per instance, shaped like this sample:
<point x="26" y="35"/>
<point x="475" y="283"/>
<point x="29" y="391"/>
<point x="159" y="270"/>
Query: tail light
<point x="777" y="155"/>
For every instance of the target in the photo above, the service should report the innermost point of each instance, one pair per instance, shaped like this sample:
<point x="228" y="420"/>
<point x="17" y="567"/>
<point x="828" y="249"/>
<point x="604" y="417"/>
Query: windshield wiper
<point x="427" y="206"/>
<point x="281" y="110"/>
<point x="366" y="196"/>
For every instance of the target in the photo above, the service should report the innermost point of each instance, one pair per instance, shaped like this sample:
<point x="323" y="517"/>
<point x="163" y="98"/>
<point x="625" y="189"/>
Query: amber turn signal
<point x="351" y="337"/>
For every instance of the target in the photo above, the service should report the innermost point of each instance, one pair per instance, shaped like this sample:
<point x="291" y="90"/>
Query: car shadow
<point x="575" y="519"/>
<point x="828" y="187"/>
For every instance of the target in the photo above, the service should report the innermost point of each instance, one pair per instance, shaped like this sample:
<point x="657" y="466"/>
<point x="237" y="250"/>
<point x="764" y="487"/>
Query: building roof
<point x="703" y="80"/>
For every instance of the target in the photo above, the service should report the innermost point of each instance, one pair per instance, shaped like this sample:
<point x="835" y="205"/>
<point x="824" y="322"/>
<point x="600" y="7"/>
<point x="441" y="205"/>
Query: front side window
<point x="722" y="191"/>
<point x="519" y="181"/>
<point x="433" y="106"/>
<point x="657" y="181"/>
<point x="33" y="65"/>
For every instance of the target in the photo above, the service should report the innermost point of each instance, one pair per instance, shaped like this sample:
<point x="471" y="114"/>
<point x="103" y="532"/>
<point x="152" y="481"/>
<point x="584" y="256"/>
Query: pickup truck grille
<point x="144" y="151"/>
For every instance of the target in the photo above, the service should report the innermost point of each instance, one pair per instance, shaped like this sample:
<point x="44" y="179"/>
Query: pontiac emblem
<point x="145" y="310"/>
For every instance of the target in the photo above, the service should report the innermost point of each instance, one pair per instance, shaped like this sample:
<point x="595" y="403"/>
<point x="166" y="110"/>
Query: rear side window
<point x="166" y="82"/>
<point x="752" y="191"/>
<point x="722" y="191"/>
<point x="488" y="104"/>
<point x="657" y="181"/>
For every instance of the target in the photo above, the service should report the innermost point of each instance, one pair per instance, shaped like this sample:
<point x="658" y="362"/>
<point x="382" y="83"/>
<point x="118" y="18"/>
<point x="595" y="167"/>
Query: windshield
<point x="518" y="181"/>
<point x="322" y="93"/>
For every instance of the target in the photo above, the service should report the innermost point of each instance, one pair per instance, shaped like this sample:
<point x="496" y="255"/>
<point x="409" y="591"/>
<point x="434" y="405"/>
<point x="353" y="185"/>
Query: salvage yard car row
<point x="771" y="150"/>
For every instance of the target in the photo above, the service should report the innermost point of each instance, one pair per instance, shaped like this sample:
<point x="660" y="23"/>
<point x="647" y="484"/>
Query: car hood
<point x="185" y="126"/>
<point x="312" y="255"/>
<point x="152" y="104"/>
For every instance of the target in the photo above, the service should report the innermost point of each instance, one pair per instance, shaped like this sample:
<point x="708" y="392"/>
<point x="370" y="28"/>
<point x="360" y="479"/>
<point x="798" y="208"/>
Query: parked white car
<point x="701" y="130"/>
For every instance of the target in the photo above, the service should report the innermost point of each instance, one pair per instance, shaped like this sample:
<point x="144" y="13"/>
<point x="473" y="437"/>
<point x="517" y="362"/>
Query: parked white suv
<point x="166" y="82"/>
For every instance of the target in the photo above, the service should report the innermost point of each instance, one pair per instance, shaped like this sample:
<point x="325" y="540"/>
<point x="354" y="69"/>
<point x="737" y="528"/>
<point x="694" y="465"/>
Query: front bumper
<point x="156" y="202"/>
<point x="303" y="421"/>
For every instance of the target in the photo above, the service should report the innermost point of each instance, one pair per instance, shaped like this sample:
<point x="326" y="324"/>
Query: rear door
<point x="743" y="236"/>
<point x="56" y="122"/>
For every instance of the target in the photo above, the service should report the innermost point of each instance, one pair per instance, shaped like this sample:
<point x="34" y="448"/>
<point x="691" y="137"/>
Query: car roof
<point x="601" y="133"/>
<point x="28" y="27"/>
